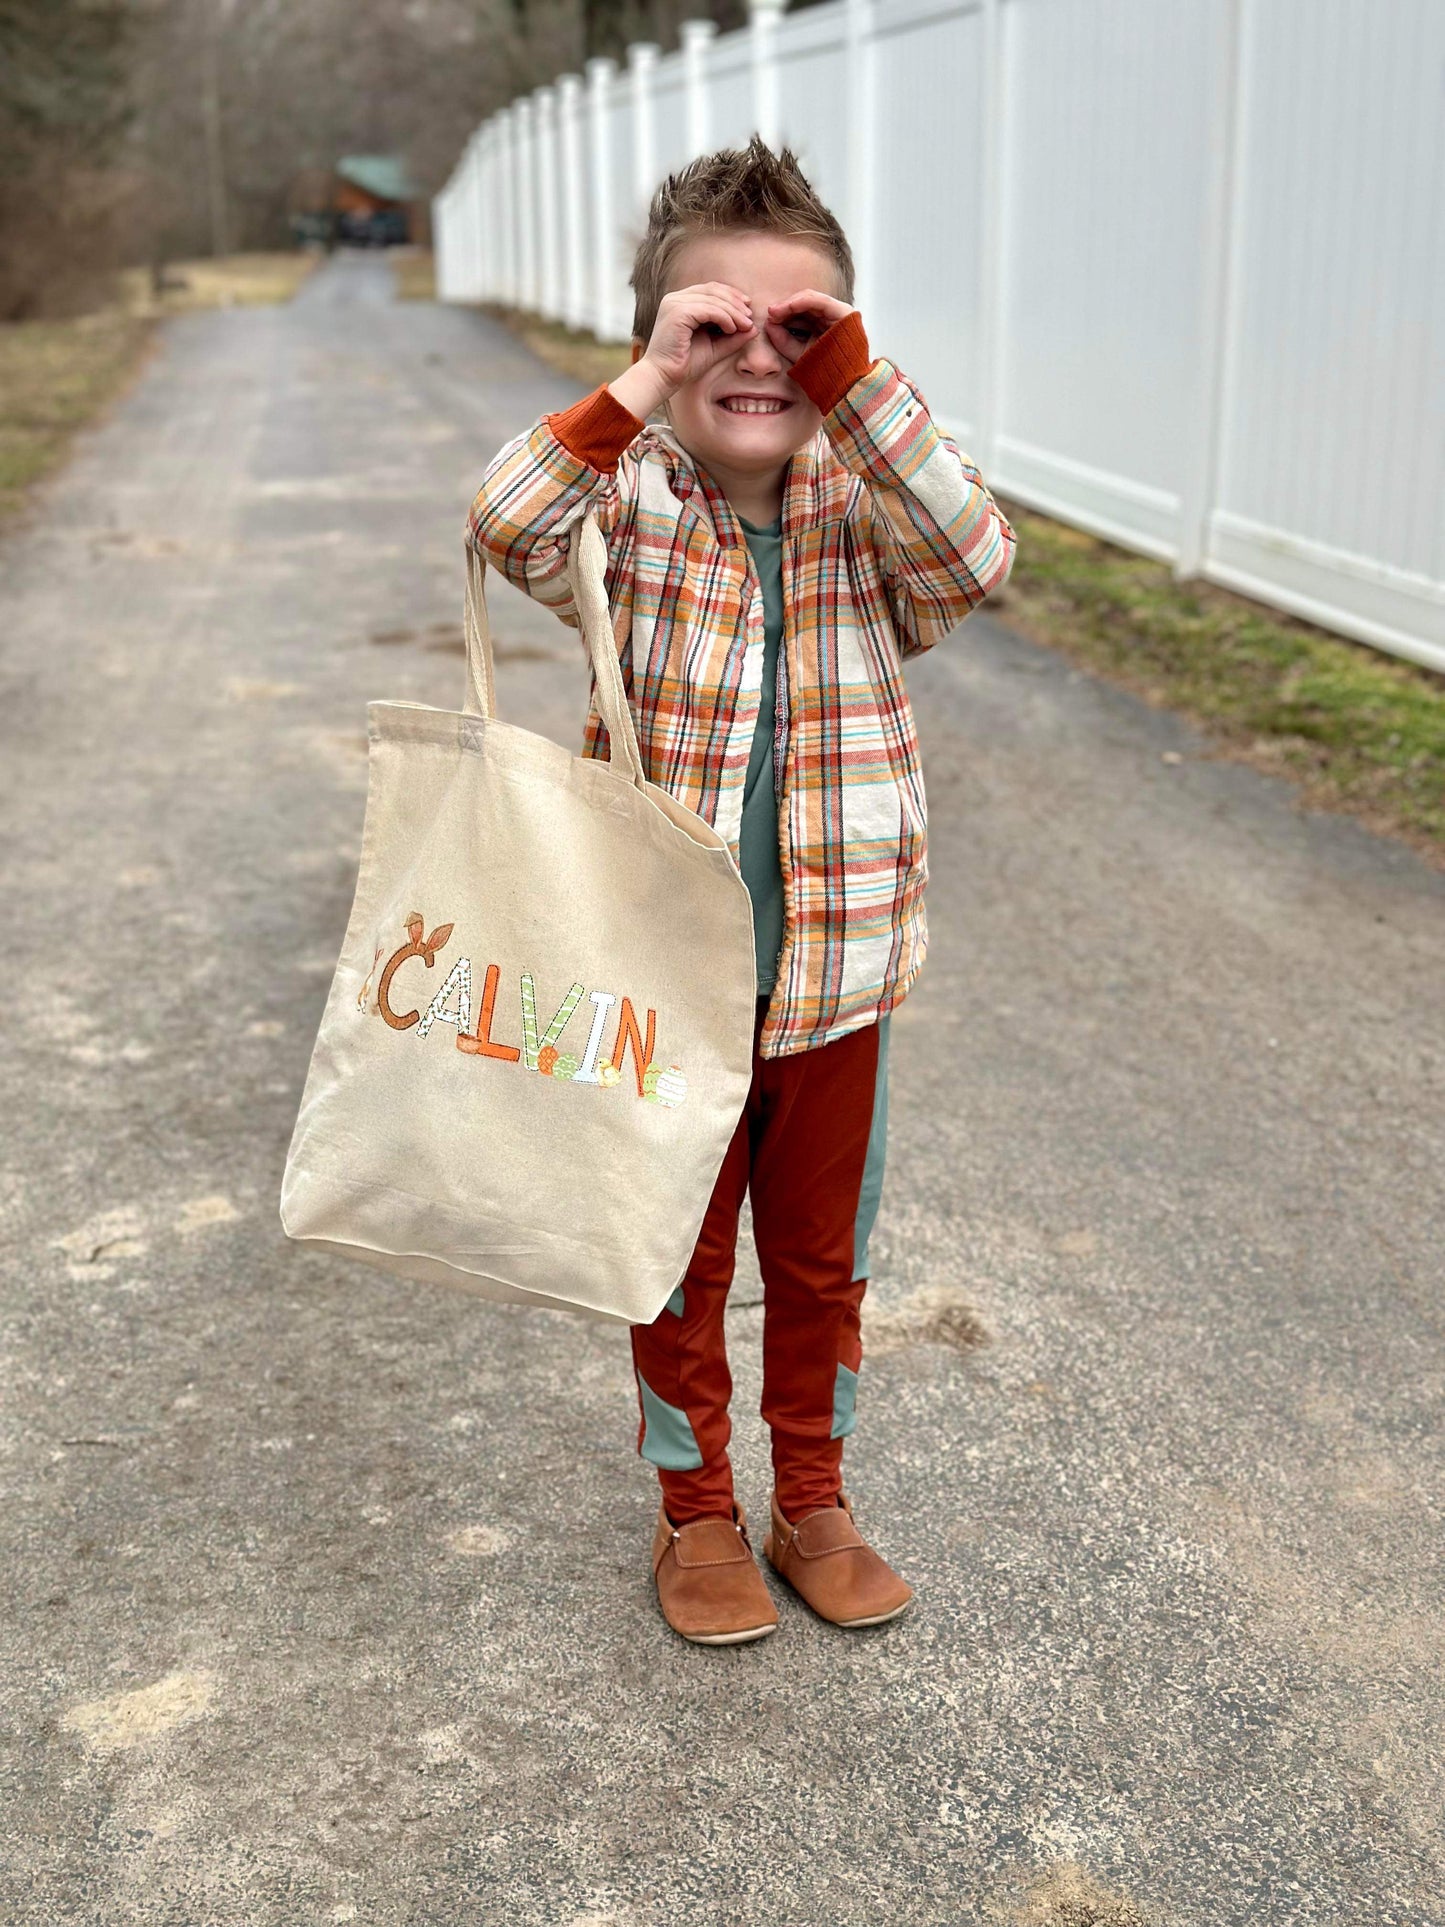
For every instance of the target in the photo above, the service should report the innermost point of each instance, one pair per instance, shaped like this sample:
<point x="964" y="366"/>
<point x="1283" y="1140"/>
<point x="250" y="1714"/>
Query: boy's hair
<point x="737" y="190"/>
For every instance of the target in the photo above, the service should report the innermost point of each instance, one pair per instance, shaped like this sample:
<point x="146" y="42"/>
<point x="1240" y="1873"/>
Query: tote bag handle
<point x="586" y="566"/>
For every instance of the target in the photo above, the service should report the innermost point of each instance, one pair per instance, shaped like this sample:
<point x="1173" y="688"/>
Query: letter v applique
<point x="531" y="1043"/>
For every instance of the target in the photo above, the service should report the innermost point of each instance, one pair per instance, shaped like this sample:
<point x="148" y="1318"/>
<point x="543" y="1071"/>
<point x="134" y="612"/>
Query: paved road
<point x="329" y="1595"/>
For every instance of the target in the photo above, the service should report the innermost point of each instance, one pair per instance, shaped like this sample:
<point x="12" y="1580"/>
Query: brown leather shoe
<point x="825" y="1558"/>
<point x="708" y="1583"/>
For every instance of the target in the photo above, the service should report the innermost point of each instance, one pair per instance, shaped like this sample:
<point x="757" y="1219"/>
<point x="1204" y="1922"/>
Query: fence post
<point x="526" y="117"/>
<point x="474" y="218"/>
<point x="697" y="37"/>
<point x="600" y="72"/>
<point x="448" y="240"/>
<point x="460" y="273"/>
<point x="641" y="64"/>
<point x="439" y="243"/>
<point x="572" y="200"/>
<point x="1221" y="225"/>
<point x="506" y="210"/>
<point x="993" y="132"/>
<point x="763" y="17"/>
<point x="862" y="145"/>
<point x="492" y="212"/>
<point x="550" y="276"/>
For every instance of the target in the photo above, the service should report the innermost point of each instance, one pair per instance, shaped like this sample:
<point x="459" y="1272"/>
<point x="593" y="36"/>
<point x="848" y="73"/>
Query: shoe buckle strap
<point x="682" y="1550"/>
<point x="828" y="1531"/>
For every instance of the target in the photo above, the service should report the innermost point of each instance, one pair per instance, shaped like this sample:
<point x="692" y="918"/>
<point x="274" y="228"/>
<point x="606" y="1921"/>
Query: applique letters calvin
<point x="539" y="1050"/>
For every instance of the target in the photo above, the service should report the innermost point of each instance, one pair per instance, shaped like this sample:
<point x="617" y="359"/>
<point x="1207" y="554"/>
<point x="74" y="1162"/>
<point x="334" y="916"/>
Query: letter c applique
<point x="418" y="946"/>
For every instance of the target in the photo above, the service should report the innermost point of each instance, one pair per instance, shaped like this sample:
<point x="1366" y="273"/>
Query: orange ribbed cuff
<point x="829" y="366"/>
<point x="596" y="429"/>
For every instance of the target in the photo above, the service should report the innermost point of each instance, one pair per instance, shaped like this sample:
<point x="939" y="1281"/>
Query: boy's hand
<point x="796" y="323"/>
<point x="695" y="327"/>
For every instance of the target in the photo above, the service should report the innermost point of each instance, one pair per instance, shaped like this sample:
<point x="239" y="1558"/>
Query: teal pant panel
<point x="870" y="1193"/>
<point x="668" y="1439"/>
<point x="845" y="1396"/>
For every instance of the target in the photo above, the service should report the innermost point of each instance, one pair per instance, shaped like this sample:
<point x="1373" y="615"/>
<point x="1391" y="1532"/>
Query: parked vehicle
<point x="381" y="227"/>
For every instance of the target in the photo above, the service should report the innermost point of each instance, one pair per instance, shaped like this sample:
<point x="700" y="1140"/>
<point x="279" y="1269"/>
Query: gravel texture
<point x="328" y="1595"/>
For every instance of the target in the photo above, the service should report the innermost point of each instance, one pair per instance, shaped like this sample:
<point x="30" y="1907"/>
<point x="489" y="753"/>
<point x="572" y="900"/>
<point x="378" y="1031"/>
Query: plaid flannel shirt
<point x="889" y="540"/>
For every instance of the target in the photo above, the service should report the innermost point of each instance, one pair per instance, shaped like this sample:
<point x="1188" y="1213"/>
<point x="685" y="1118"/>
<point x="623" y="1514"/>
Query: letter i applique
<point x="588" y="1071"/>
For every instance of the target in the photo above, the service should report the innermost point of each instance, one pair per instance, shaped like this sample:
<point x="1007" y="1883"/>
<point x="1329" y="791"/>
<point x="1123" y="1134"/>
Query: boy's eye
<point x="712" y="330"/>
<point x="801" y="330"/>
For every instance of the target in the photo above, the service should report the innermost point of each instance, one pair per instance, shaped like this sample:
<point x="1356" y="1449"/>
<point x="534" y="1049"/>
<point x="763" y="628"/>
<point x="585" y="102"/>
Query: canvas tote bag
<point x="539" y="1037"/>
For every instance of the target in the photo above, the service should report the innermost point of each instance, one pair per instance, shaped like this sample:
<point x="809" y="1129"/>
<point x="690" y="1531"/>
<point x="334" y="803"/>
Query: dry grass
<point x="1359" y="731"/>
<point x="571" y="351"/>
<point x="55" y="376"/>
<point x="414" y="270"/>
<point x="232" y="281"/>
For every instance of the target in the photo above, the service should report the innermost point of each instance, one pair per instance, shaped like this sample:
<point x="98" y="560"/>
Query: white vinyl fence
<point x="1170" y="270"/>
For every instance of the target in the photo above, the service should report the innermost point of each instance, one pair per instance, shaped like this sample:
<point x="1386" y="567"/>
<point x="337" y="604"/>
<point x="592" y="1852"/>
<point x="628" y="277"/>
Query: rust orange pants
<point x="809" y="1149"/>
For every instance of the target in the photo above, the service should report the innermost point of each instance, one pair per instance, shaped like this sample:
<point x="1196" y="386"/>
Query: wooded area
<point x="145" y="130"/>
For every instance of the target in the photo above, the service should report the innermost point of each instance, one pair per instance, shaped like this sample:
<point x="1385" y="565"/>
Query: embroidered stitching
<point x="538" y="1051"/>
<point x="425" y="948"/>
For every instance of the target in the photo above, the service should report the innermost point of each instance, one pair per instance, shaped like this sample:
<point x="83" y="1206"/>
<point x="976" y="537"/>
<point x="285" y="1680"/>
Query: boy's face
<point x="746" y="415"/>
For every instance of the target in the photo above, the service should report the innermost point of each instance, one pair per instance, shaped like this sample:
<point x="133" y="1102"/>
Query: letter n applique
<point x="627" y="1033"/>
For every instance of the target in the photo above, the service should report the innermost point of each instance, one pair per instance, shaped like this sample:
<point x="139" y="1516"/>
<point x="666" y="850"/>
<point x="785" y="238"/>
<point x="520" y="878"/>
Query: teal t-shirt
<point x="758" y="857"/>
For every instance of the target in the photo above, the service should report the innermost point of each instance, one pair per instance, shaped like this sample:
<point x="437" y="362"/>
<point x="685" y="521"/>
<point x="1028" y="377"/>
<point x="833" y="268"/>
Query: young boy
<point x="791" y="531"/>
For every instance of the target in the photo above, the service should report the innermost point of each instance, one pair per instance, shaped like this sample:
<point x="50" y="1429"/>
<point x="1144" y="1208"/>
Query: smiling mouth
<point x="754" y="404"/>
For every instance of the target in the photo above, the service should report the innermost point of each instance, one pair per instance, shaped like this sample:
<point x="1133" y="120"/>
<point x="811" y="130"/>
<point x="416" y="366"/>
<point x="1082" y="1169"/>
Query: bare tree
<point x="612" y="25"/>
<point x="259" y="91"/>
<point x="191" y="121"/>
<point x="64" y="109"/>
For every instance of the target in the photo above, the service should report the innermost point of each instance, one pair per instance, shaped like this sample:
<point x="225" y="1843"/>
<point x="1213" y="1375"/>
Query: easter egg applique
<point x="671" y="1087"/>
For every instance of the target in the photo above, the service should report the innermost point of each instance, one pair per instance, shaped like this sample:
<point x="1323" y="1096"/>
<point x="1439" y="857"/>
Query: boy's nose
<point x="758" y="356"/>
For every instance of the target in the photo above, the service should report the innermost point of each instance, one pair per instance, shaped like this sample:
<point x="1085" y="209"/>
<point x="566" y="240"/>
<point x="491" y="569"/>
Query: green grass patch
<point x="1362" y="731"/>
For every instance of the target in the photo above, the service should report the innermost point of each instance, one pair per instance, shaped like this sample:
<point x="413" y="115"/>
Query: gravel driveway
<point x="329" y="1596"/>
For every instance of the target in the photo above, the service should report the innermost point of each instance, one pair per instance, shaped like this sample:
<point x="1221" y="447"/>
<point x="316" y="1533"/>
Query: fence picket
<point x="1120" y="273"/>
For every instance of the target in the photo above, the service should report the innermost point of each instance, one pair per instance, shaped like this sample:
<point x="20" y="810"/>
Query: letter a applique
<point x="459" y="984"/>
